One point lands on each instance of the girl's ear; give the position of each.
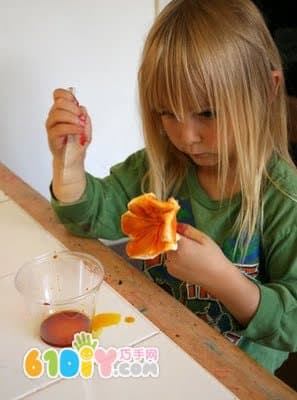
(276, 78)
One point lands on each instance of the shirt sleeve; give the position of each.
(97, 214)
(275, 321)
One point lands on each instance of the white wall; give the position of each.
(93, 45)
(161, 4)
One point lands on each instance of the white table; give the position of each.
(22, 238)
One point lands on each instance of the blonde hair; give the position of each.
(219, 53)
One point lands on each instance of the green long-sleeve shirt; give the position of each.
(271, 259)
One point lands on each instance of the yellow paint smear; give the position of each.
(105, 320)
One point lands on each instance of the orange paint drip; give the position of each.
(129, 320)
(105, 319)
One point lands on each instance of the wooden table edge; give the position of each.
(232, 367)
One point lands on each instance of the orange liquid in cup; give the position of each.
(59, 329)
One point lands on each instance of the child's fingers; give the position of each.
(66, 129)
(84, 111)
(63, 117)
(64, 94)
(191, 233)
(58, 135)
(66, 117)
(66, 105)
(87, 136)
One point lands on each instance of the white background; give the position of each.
(94, 45)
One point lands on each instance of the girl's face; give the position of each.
(196, 136)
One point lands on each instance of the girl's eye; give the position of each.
(167, 114)
(207, 114)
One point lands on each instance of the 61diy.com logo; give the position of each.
(85, 354)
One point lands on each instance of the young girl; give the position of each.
(211, 92)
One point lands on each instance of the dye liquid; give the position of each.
(59, 329)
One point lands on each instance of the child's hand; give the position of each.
(67, 117)
(198, 259)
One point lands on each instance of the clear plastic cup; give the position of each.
(60, 289)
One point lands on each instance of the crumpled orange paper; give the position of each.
(151, 225)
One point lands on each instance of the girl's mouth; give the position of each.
(202, 155)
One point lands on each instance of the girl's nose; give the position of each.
(190, 131)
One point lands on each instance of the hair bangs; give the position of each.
(177, 82)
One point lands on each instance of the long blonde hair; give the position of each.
(220, 53)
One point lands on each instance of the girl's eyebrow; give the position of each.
(203, 110)
(163, 111)
(159, 109)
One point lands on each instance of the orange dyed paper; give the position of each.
(151, 225)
